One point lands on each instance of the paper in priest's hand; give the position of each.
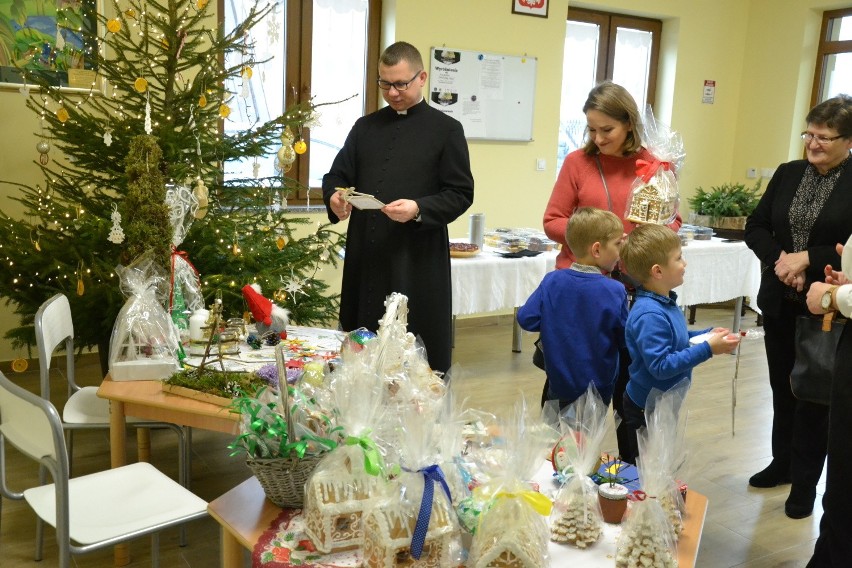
(359, 200)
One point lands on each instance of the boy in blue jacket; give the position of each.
(656, 333)
(580, 312)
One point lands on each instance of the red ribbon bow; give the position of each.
(646, 169)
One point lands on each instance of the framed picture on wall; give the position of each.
(531, 7)
(42, 39)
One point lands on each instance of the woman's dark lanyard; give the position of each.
(603, 180)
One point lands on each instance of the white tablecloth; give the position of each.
(489, 282)
(717, 271)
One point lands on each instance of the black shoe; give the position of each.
(800, 503)
(771, 476)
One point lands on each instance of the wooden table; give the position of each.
(146, 399)
(244, 514)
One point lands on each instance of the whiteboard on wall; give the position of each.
(491, 94)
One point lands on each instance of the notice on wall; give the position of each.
(492, 95)
(709, 95)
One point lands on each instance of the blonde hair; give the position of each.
(646, 246)
(617, 103)
(590, 225)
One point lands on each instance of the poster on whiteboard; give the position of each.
(491, 94)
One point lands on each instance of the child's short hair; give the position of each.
(590, 225)
(646, 246)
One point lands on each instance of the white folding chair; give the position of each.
(92, 511)
(84, 409)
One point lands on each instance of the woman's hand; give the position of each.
(814, 298)
(836, 277)
(789, 266)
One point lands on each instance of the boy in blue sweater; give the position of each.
(580, 312)
(656, 333)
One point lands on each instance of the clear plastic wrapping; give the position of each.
(412, 517)
(144, 342)
(654, 520)
(512, 527)
(654, 195)
(576, 518)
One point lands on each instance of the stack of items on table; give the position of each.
(407, 477)
(516, 240)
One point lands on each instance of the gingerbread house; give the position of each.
(389, 528)
(647, 204)
(335, 501)
(497, 546)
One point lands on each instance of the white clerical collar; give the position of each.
(404, 112)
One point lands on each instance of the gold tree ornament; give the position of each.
(201, 4)
(300, 147)
(81, 288)
(202, 101)
(61, 114)
(287, 136)
(20, 365)
(247, 72)
(280, 242)
(140, 84)
(286, 155)
(224, 110)
(202, 196)
(114, 25)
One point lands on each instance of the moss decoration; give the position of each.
(144, 205)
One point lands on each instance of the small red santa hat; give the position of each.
(261, 308)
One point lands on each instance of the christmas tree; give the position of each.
(144, 151)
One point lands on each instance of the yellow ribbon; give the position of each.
(540, 504)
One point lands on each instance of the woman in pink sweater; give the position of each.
(600, 173)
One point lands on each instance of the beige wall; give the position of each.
(761, 54)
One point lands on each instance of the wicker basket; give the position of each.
(283, 479)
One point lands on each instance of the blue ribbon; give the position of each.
(431, 474)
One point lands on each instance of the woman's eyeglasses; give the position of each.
(821, 140)
(398, 85)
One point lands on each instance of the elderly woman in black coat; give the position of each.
(805, 211)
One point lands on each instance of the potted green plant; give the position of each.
(724, 206)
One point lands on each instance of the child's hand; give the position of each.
(723, 341)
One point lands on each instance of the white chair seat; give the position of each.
(118, 502)
(86, 407)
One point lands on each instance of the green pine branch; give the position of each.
(60, 243)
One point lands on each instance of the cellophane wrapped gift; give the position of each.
(512, 528)
(649, 534)
(401, 360)
(145, 343)
(662, 446)
(346, 479)
(411, 522)
(576, 518)
(185, 294)
(654, 195)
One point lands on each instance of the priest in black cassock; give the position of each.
(414, 159)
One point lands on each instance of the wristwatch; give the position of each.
(825, 303)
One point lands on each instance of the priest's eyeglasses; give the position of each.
(398, 85)
(821, 140)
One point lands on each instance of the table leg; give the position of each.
(738, 310)
(118, 458)
(143, 444)
(232, 550)
(516, 333)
